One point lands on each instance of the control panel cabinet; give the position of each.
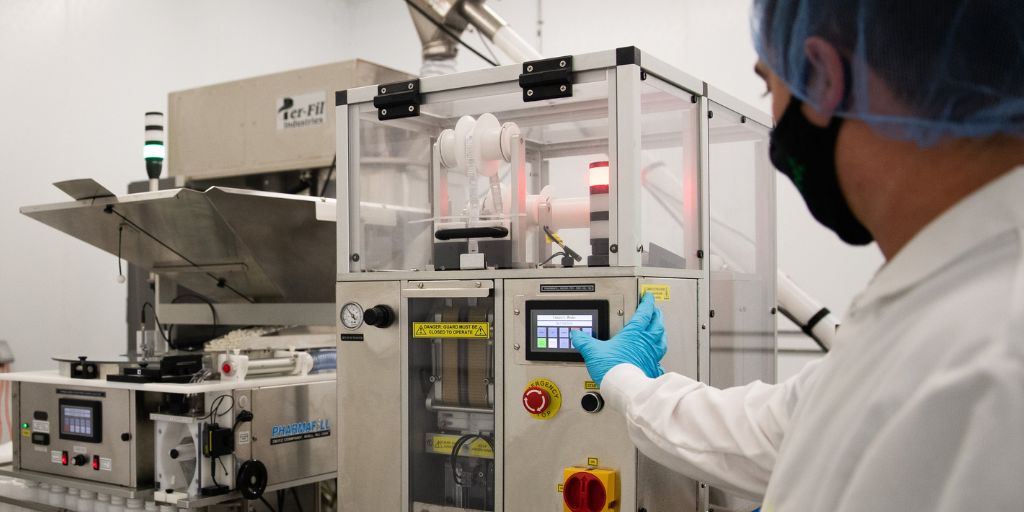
(488, 412)
(95, 434)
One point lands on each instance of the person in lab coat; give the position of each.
(900, 121)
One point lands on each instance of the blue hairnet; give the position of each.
(954, 68)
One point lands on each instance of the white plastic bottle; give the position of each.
(19, 492)
(71, 499)
(56, 497)
(86, 501)
(7, 491)
(31, 491)
(116, 504)
(132, 504)
(102, 502)
(151, 506)
(43, 493)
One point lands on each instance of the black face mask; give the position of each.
(807, 154)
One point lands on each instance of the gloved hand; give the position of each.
(641, 343)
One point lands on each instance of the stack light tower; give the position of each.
(154, 151)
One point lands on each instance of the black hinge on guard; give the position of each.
(398, 100)
(547, 79)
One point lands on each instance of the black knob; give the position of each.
(79, 460)
(592, 402)
(126, 437)
(174, 454)
(379, 316)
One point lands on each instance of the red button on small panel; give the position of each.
(536, 400)
(64, 458)
(96, 462)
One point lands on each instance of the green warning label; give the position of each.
(451, 330)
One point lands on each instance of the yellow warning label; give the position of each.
(661, 292)
(561, 487)
(26, 432)
(593, 461)
(590, 385)
(451, 330)
(444, 444)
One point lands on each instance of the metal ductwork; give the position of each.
(440, 47)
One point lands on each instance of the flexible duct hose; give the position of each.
(324, 360)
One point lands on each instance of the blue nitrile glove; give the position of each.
(641, 343)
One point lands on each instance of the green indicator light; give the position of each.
(153, 151)
(24, 425)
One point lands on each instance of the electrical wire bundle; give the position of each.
(458, 447)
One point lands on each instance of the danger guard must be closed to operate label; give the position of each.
(451, 330)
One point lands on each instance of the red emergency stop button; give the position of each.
(584, 492)
(536, 400)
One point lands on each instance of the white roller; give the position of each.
(570, 213)
(446, 141)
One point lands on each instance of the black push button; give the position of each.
(79, 460)
(592, 402)
(40, 438)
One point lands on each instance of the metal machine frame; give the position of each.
(374, 355)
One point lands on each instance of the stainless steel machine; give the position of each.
(209, 427)
(482, 218)
(226, 388)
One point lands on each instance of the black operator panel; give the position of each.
(551, 322)
(81, 420)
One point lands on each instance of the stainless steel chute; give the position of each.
(227, 244)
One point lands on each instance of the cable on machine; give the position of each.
(120, 274)
(330, 173)
(213, 311)
(221, 282)
(156, 321)
(458, 447)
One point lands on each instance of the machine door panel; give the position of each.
(369, 399)
(453, 456)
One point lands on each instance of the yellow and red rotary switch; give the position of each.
(542, 399)
(590, 490)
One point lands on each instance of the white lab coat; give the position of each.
(918, 407)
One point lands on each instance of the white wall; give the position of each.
(76, 78)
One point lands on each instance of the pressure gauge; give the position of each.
(351, 316)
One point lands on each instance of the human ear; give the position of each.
(827, 81)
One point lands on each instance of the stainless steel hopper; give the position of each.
(227, 244)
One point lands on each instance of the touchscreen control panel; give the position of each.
(550, 326)
(81, 420)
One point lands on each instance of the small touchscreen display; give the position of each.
(76, 420)
(553, 328)
(81, 420)
(551, 324)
